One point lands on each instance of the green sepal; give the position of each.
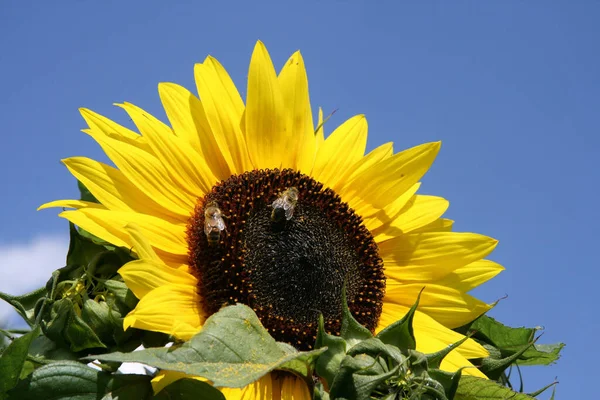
(400, 333)
(375, 348)
(329, 361)
(187, 389)
(65, 326)
(72, 380)
(448, 380)
(233, 349)
(493, 368)
(351, 330)
(124, 296)
(358, 377)
(12, 361)
(472, 388)
(434, 360)
(300, 365)
(542, 390)
(101, 319)
(319, 392)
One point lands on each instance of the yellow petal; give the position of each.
(429, 256)
(147, 173)
(143, 276)
(223, 112)
(188, 119)
(171, 309)
(319, 131)
(71, 204)
(340, 151)
(114, 190)
(376, 218)
(262, 389)
(375, 156)
(471, 275)
(183, 164)
(106, 127)
(431, 336)
(294, 388)
(298, 114)
(165, 378)
(448, 306)
(140, 245)
(420, 211)
(269, 141)
(382, 183)
(439, 225)
(110, 226)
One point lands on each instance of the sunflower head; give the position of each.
(290, 247)
(248, 202)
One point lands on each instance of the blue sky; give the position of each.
(511, 88)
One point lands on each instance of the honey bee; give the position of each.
(213, 223)
(283, 206)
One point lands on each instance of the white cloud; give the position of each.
(27, 266)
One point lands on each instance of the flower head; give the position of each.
(250, 203)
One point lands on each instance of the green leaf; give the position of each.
(472, 388)
(76, 381)
(25, 304)
(510, 340)
(85, 194)
(45, 350)
(358, 377)
(189, 389)
(352, 331)
(329, 361)
(232, 350)
(400, 333)
(13, 359)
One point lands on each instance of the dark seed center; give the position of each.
(287, 270)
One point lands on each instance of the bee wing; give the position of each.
(221, 224)
(289, 212)
(278, 203)
(207, 227)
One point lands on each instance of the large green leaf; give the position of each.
(232, 350)
(472, 388)
(189, 389)
(66, 380)
(13, 359)
(510, 340)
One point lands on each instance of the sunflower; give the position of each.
(250, 203)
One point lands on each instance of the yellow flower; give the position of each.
(250, 203)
